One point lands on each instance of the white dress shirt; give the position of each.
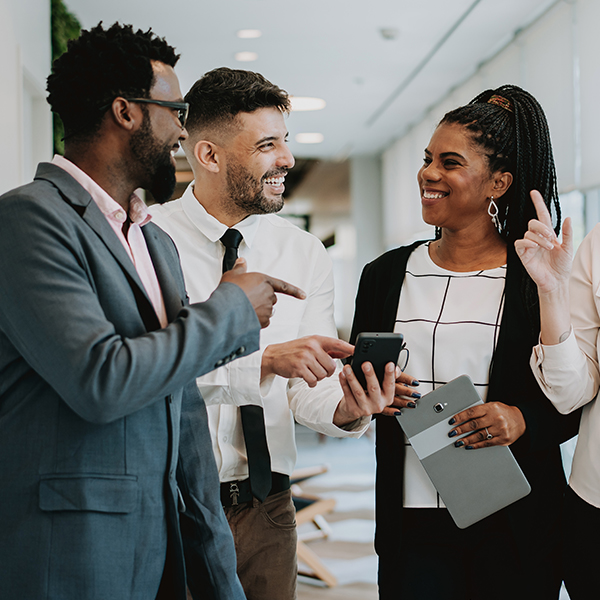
(450, 323)
(273, 246)
(569, 373)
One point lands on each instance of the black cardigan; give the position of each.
(534, 519)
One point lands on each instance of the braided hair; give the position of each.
(509, 125)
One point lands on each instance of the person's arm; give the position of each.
(51, 312)
(339, 406)
(248, 380)
(565, 364)
(315, 405)
(548, 263)
(308, 362)
(569, 372)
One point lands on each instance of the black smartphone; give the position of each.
(377, 348)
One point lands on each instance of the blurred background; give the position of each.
(370, 81)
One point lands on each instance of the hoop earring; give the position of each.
(493, 212)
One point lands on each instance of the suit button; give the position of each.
(241, 350)
(219, 363)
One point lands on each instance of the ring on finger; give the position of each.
(488, 435)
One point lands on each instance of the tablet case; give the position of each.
(472, 483)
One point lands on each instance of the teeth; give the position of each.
(434, 195)
(275, 180)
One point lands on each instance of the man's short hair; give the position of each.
(98, 66)
(221, 94)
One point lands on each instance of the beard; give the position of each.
(246, 191)
(154, 160)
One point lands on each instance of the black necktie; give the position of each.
(253, 419)
(231, 239)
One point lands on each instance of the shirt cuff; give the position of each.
(558, 356)
(324, 422)
(244, 380)
(236, 383)
(358, 427)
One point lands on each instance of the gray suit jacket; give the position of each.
(90, 402)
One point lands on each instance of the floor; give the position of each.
(348, 552)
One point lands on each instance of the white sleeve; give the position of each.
(315, 407)
(236, 383)
(568, 373)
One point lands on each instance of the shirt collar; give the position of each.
(138, 211)
(212, 228)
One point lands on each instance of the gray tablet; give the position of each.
(472, 483)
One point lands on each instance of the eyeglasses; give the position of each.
(182, 108)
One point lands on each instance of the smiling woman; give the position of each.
(464, 305)
(454, 181)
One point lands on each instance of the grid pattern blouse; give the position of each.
(450, 323)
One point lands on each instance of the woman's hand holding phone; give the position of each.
(396, 392)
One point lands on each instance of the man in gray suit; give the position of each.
(98, 345)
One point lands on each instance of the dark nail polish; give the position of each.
(398, 414)
(452, 421)
(459, 444)
(453, 433)
(469, 448)
(416, 382)
(411, 405)
(415, 395)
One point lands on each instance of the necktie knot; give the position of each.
(232, 238)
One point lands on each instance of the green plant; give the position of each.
(65, 27)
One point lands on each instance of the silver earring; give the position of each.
(493, 212)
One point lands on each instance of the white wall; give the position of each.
(25, 117)
(556, 59)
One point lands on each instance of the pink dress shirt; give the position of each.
(134, 243)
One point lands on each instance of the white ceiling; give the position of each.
(333, 49)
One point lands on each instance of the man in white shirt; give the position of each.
(238, 153)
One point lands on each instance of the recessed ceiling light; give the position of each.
(300, 103)
(389, 33)
(249, 33)
(246, 56)
(309, 138)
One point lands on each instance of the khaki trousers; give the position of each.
(265, 544)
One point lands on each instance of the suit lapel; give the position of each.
(164, 271)
(84, 205)
(97, 221)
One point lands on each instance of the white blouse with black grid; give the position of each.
(450, 323)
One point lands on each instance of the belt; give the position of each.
(238, 492)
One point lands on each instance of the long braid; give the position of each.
(509, 124)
